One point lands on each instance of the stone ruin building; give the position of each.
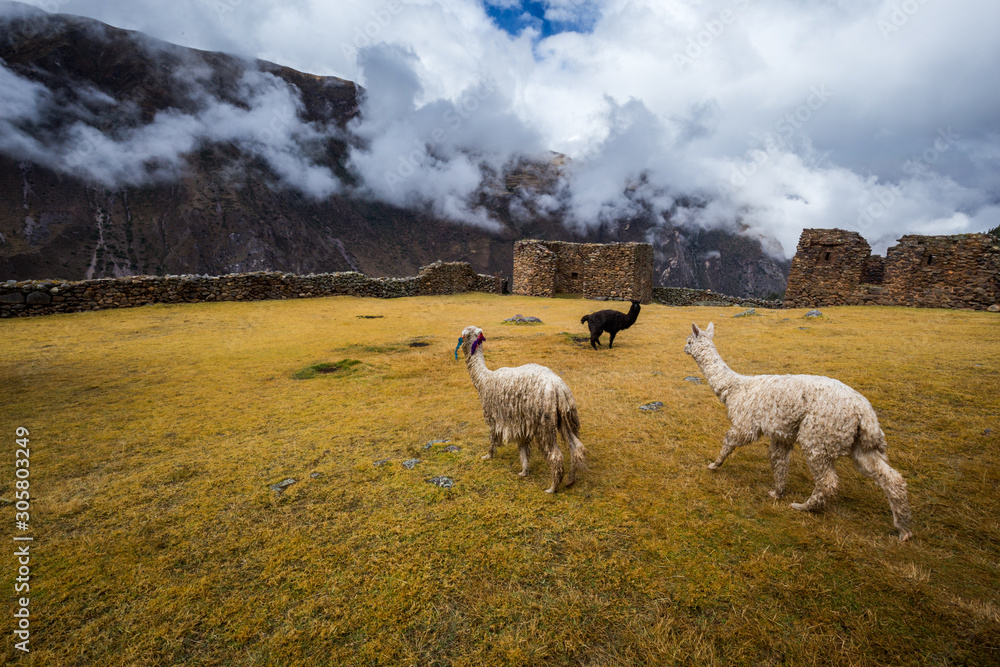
(619, 271)
(834, 267)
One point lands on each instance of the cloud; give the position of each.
(86, 133)
(435, 154)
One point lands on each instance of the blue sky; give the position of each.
(513, 19)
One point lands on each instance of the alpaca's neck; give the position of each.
(721, 378)
(477, 369)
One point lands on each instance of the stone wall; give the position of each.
(454, 277)
(534, 269)
(827, 268)
(43, 297)
(686, 296)
(960, 271)
(618, 271)
(572, 267)
(833, 267)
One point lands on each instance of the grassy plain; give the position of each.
(156, 433)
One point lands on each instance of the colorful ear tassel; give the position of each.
(458, 346)
(476, 344)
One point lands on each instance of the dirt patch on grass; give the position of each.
(575, 339)
(342, 367)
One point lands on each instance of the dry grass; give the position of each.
(157, 431)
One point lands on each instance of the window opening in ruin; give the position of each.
(826, 257)
(574, 275)
(930, 259)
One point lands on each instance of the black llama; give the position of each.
(611, 321)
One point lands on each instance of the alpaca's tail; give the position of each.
(569, 426)
(584, 319)
(870, 436)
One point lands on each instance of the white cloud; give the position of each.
(267, 124)
(435, 153)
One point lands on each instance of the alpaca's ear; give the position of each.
(695, 329)
(710, 331)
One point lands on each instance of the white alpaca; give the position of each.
(526, 403)
(826, 417)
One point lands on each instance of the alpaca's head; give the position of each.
(472, 339)
(699, 338)
(633, 312)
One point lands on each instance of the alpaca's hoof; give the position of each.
(522, 474)
(713, 465)
(774, 494)
(802, 507)
(550, 490)
(904, 535)
(487, 457)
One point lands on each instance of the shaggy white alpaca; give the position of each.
(826, 417)
(526, 403)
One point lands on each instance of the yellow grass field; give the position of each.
(156, 433)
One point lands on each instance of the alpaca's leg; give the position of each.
(873, 464)
(611, 342)
(495, 440)
(595, 338)
(825, 476)
(576, 460)
(780, 452)
(733, 439)
(555, 456)
(524, 448)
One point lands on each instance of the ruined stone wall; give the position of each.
(534, 269)
(874, 272)
(621, 271)
(687, 296)
(43, 297)
(571, 267)
(833, 267)
(827, 269)
(643, 272)
(960, 271)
